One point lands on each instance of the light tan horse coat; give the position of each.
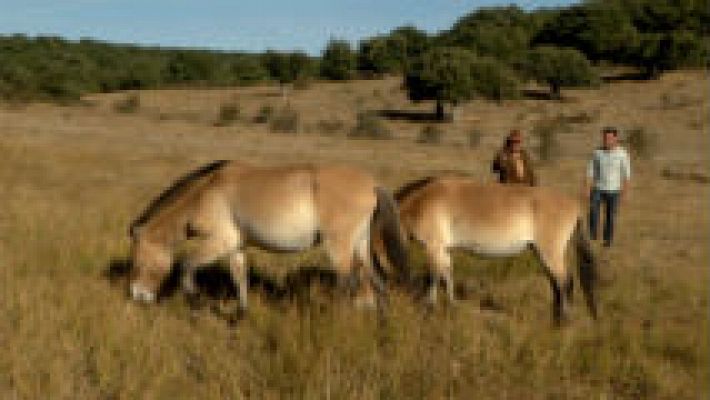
(228, 205)
(447, 213)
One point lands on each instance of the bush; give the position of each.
(494, 80)
(430, 134)
(129, 104)
(331, 126)
(338, 61)
(474, 138)
(285, 120)
(641, 143)
(302, 83)
(546, 131)
(228, 114)
(369, 127)
(581, 117)
(264, 114)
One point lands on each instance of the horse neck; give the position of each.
(164, 232)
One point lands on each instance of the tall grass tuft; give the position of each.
(369, 126)
(641, 142)
(130, 104)
(285, 120)
(228, 114)
(474, 138)
(546, 131)
(330, 127)
(430, 134)
(264, 114)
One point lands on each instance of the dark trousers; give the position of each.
(611, 203)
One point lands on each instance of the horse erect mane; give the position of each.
(174, 190)
(411, 187)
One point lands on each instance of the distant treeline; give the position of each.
(503, 44)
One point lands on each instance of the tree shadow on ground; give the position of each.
(625, 76)
(536, 94)
(412, 115)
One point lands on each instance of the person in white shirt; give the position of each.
(608, 174)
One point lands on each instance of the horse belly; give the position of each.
(502, 241)
(293, 228)
(497, 249)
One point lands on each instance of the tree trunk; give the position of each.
(652, 72)
(439, 110)
(555, 93)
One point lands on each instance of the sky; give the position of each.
(235, 25)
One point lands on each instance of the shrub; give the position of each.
(338, 61)
(302, 83)
(494, 80)
(581, 117)
(369, 127)
(474, 138)
(330, 126)
(546, 131)
(129, 104)
(228, 114)
(641, 142)
(430, 134)
(264, 114)
(285, 120)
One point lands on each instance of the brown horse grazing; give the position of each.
(448, 212)
(227, 205)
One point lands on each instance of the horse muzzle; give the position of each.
(141, 294)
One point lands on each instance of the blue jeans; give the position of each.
(611, 203)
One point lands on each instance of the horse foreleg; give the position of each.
(238, 271)
(205, 251)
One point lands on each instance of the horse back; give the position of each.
(462, 212)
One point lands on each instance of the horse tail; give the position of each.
(386, 235)
(587, 265)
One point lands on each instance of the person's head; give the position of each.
(610, 137)
(514, 141)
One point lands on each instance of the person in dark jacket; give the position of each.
(512, 163)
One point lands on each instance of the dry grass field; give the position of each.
(73, 177)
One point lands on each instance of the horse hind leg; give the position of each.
(340, 252)
(372, 290)
(560, 280)
(439, 261)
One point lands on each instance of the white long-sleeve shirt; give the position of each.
(608, 169)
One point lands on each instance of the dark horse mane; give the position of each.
(173, 190)
(415, 185)
(412, 186)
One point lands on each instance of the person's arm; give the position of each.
(625, 172)
(589, 180)
(495, 166)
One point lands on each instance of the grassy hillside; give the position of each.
(72, 179)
